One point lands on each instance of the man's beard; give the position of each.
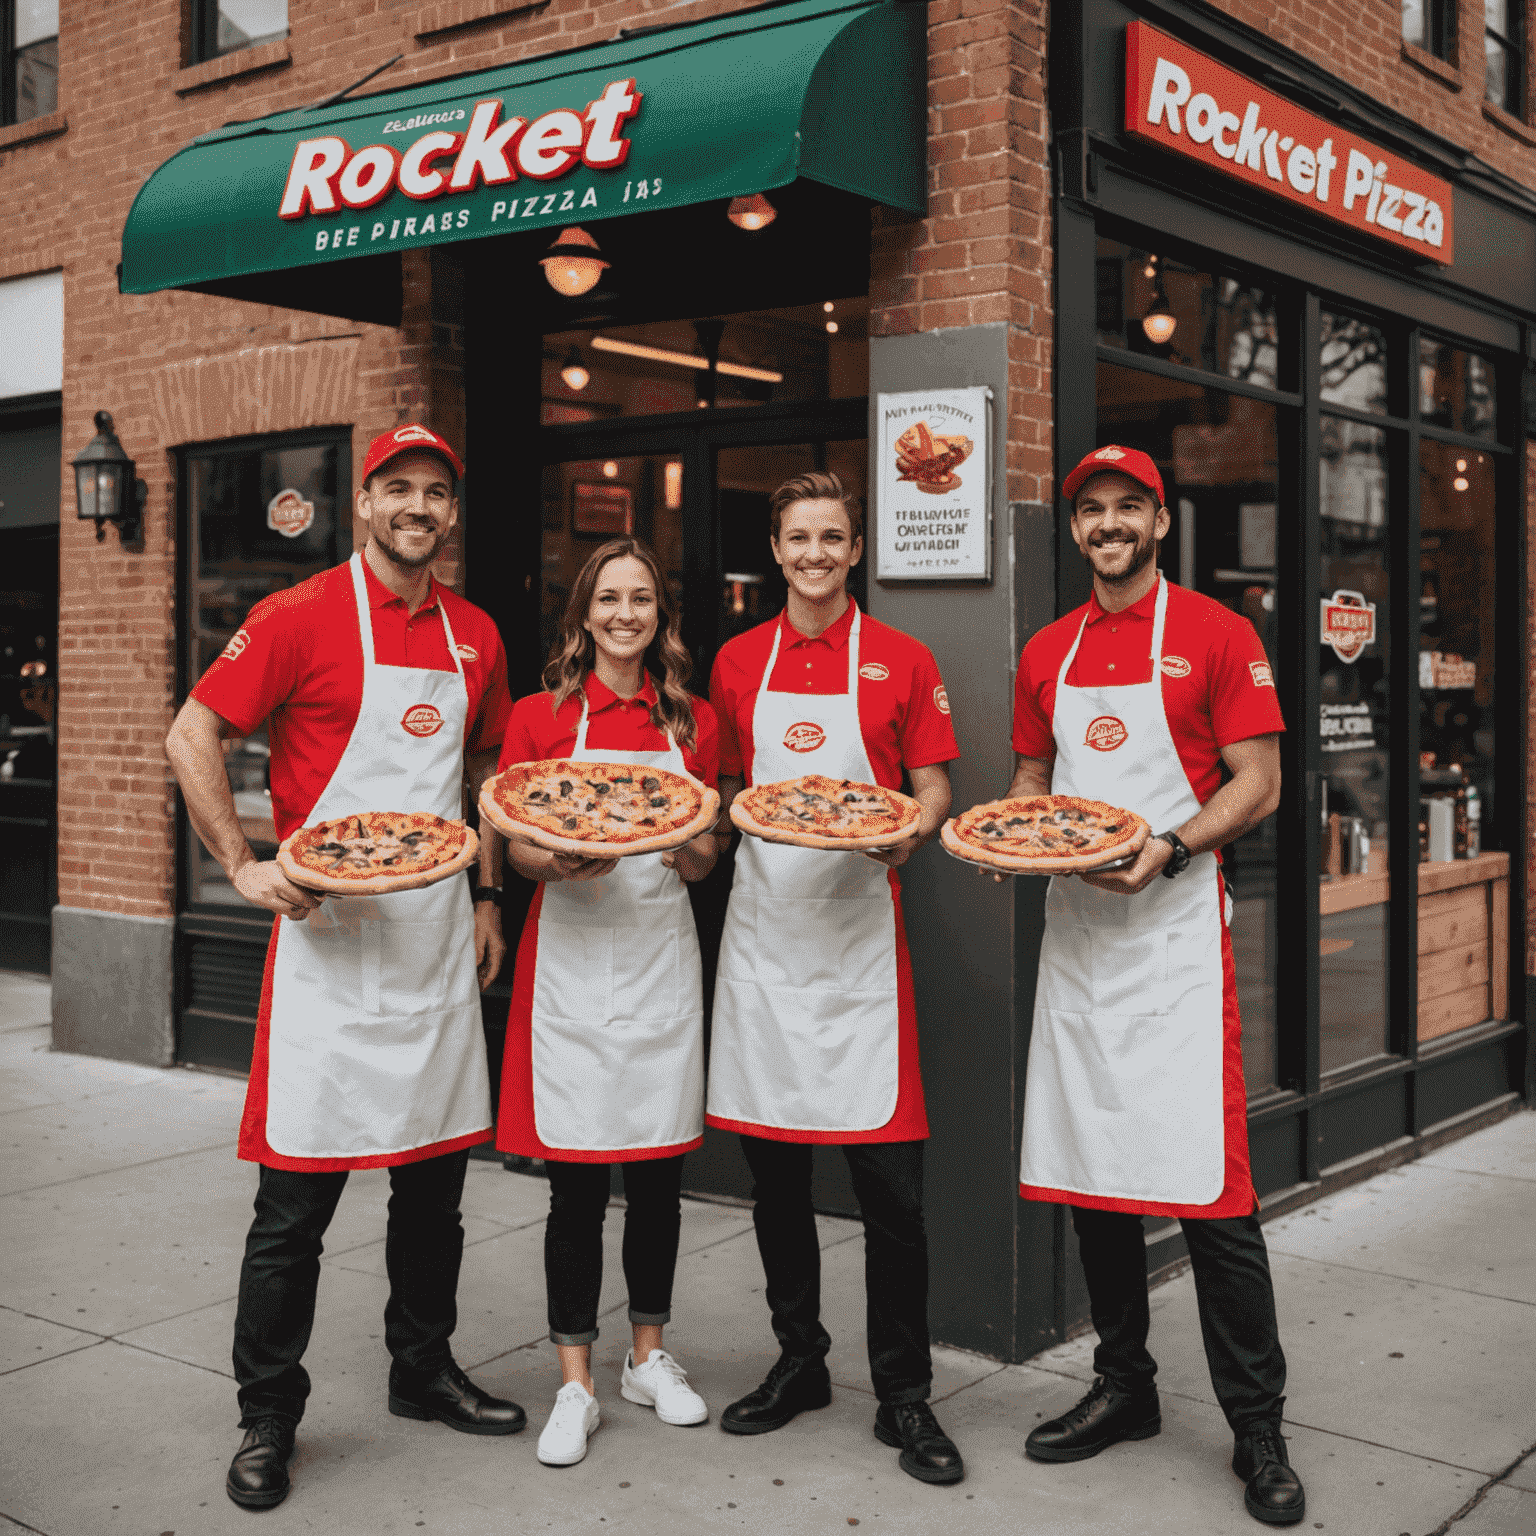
(1145, 553)
(384, 539)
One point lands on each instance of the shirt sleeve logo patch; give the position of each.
(875, 671)
(422, 720)
(1106, 733)
(1176, 666)
(804, 736)
(237, 643)
(1263, 675)
(467, 652)
(941, 698)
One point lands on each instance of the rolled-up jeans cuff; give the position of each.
(650, 1319)
(573, 1338)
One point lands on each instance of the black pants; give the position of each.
(573, 1243)
(888, 1181)
(1234, 1293)
(423, 1245)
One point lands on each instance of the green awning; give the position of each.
(718, 109)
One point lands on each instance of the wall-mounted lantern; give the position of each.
(106, 489)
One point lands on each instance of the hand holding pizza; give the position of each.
(263, 884)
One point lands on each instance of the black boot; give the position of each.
(258, 1476)
(453, 1399)
(1103, 1418)
(1274, 1493)
(927, 1453)
(791, 1387)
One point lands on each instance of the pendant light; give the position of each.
(572, 373)
(751, 213)
(572, 264)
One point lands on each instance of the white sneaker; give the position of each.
(571, 1420)
(661, 1383)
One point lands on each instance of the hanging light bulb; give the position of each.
(572, 374)
(832, 327)
(751, 213)
(826, 308)
(1159, 322)
(610, 470)
(572, 265)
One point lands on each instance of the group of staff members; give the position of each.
(369, 1051)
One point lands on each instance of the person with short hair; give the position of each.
(604, 1062)
(814, 1032)
(381, 690)
(1134, 1101)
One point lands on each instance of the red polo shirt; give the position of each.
(535, 731)
(1217, 683)
(903, 708)
(297, 663)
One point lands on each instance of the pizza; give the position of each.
(1045, 834)
(929, 459)
(814, 811)
(373, 852)
(598, 810)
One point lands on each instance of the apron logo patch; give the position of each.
(1106, 733)
(422, 720)
(1176, 666)
(237, 643)
(467, 652)
(875, 671)
(1263, 677)
(804, 736)
(941, 698)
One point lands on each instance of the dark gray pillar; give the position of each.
(112, 986)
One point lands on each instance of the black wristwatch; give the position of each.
(1181, 855)
(486, 893)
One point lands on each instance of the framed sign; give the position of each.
(933, 502)
(602, 510)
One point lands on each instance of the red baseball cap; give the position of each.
(1124, 461)
(410, 437)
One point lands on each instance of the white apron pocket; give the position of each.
(580, 985)
(646, 975)
(1130, 972)
(840, 946)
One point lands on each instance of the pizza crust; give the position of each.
(1019, 864)
(742, 817)
(375, 885)
(705, 818)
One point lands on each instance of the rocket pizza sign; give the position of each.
(1349, 624)
(1179, 99)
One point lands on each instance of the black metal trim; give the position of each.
(1187, 375)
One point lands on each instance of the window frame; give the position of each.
(203, 33)
(1439, 38)
(1512, 46)
(9, 53)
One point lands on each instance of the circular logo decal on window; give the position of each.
(1176, 666)
(941, 698)
(804, 736)
(422, 720)
(1106, 733)
(467, 652)
(289, 514)
(875, 671)
(237, 643)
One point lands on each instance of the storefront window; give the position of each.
(259, 519)
(1353, 358)
(802, 354)
(1456, 389)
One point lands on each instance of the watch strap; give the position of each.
(1181, 855)
(491, 893)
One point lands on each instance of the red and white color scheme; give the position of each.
(605, 1038)
(289, 514)
(1183, 100)
(1132, 462)
(1349, 624)
(409, 437)
(814, 1027)
(1134, 1097)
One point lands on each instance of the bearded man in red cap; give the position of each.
(380, 690)
(1134, 1100)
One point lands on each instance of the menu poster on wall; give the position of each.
(932, 505)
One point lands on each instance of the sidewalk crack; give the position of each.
(1482, 1493)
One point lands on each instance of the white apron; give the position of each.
(375, 1041)
(1123, 1097)
(804, 1031)
(618, 1000)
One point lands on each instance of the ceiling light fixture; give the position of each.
(832, 327)
(572, 265)
(751, 213)
(682, 359)
(610, 469)
(572, 374)
(826, 308)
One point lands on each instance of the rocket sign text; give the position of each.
(1181, 100)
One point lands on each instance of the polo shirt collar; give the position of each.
(600, 696)
(379, 596)
(1146, 608)
(834, 636)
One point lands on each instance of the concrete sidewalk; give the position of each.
(1407, 1307)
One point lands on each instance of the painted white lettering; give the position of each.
(484, 155)
(1226, 148)
(1378, 173)
(417, 178)
(1170, 90)
(368, 177)
(1200, 118)
(529, 205)
(1434, 223)
(589, 199)
(1250, 142)
(497, 209)
(1387, 216)
(1413, 220)
(1358, 175)
(312, 178)
(394, 229)
(551, 145)
(1285, 144)
(605, 146)
(463, 217)
(1326, 160)
(549, 202)
(1301, 169)
(322, 239)
(1271, 159)
(378, 229)
(429, 225)
(568, 200)
(352, 234)
(410, 226)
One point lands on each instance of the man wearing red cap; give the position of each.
(1134, 1100)
(379, 688)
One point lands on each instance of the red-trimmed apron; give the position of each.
(605, 1052)
(372, 1050)
(1128, 1099)
(807, 1029)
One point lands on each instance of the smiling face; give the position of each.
(622, 617)
(1117, 523)
(816, 548)
(410, 509)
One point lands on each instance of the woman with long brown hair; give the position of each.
(605, 1040)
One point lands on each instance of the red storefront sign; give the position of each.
(1178, 99)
